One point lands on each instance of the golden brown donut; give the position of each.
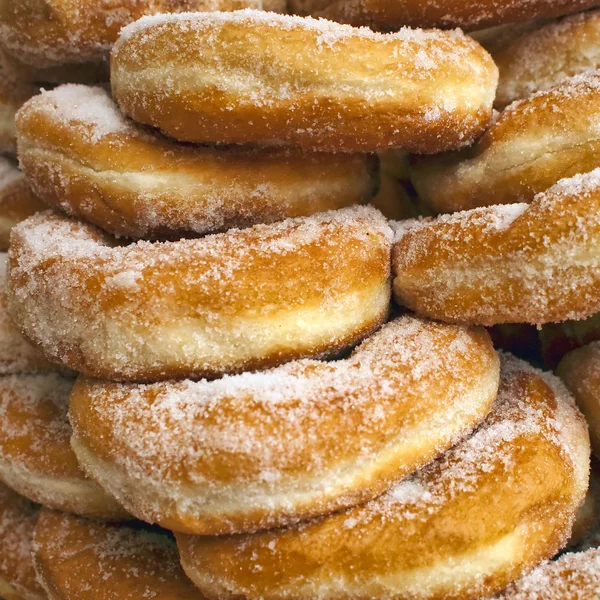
(462, 528)
(255, 77)
(48, 33)
(389, 15)
(532, 144)
(560, 338)
(82, 156)
(266, 449)
(574, 576)
(580, 370)
(79, 559)
(17, 201)
(520, 263)
(241, 300)
(18, 517)
(36, 459)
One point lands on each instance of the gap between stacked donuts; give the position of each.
(263, 269)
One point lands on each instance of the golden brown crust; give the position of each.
(82, 156)
(461, 528)
(77, 558)
(230, 302)
(580, 370)
(516, 263)
(389, 15)
(195, 457)
(36, 458)
(532, 144)
(49, 33)
(273, 79)
(18, 517)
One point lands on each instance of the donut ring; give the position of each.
(572, 576)
(16, 355)
(533, 144)
(36, 459)
(560, 338)
(255, 77)
(540, 55)
(18, 517)
(461, 528)
(82, 156)
(47, 33)
(580, 370)
(472, 14)
(17, 201)
(77, 558)
(521, 263)
(201, 307)
(170, 465)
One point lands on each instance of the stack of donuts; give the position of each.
(282, 290)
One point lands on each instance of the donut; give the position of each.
(463, 527)
(580, 370)
(82, 156)
(574, 576)
(472, 14)
(48, 33)
(195, 457)
(518, 263)
(18, 517)
(245, 299)
(16, 355)
(17, 201)
(533, 143)
(36, 459)
(77, 558)
(537, 56)
(262, 78)
(557, 339)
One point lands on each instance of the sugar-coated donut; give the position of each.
(574, 576)
(18, 517)
(389, 15)
(77, 558)
(82, 156)
(266, 449)
(36, 459)
(46, 33)
(245, 299)
(256, 77)
(580, 370)
(16, 354)
(536, 56)
(533, 143)
(557, 339)
(519, 263)
(17, 201)
(461, 528)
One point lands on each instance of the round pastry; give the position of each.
(46, 33)
(558, 339)
(18, 516)
(463, 527)
(537, 56)
(532, 144)
(16, 354)
(17, 201)
(472, 14)
(580, 370)
(82, 156)
(574, 576)
(36, 459)
(231, 302)
(255, 77)
(76, 558)
(266, 449)
(520, 263)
